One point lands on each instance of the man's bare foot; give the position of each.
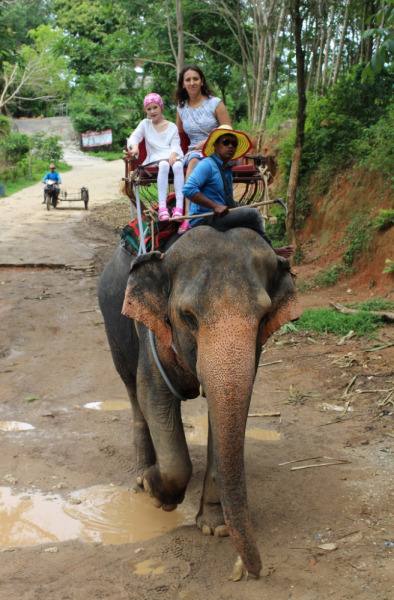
(284, 251)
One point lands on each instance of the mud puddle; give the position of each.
(147, 567)
(110, 515)
(196, 431)
(108, 405)
(15, 426)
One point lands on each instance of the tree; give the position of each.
(384, 35)
(295, 11)
(37, 72)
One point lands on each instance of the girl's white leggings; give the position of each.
(162, 182)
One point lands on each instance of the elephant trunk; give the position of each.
(226, 369)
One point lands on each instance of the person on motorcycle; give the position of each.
(52, 177)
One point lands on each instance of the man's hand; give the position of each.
(172, 159)
(221, 209)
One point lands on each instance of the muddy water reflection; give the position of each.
(109, 405)
(196, 430)
(111, 515)
(15, 426)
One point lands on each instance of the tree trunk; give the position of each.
(180, 63)
(300, 130)
(274, 51)
(327, 52)
(370, 39)
(341, 42)
(319, 66)
(333, 55)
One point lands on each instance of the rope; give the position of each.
(150, 213)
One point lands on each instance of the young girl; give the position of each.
(163, 145)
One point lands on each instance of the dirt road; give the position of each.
(72, 526)
(29, 234)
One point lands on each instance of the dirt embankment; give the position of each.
(338, 212)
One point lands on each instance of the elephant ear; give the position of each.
(145, 298)
(285, 305)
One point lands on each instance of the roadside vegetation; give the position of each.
(24, 160)
(329, 320)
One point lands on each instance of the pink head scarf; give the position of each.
(150, 98)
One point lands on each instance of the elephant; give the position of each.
(212, 299)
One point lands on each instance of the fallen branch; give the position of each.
(387, 316)
(342, 462)
(275, 362)
(290, 462)
(375, 348)
(274, 414)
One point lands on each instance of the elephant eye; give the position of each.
(190, 320)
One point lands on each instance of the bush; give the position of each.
(384, 219)
(337, 122)
(15, 146)
(359, 233)
(330, 276)
(47, 147)
(5, 126)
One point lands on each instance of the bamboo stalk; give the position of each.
(210, 214)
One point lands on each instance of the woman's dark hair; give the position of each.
(181, 94)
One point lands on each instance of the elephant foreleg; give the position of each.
(210, 517)
(166, 481)
(145, 455)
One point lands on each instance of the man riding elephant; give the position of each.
(211, 182)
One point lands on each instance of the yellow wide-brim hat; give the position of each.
(244, 143)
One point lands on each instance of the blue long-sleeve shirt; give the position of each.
(206, 179)
(52, 177)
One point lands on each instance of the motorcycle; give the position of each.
(51, 194)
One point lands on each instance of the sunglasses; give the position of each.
(226, 142)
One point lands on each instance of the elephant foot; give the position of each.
(162, 497)
(142, 469)
(211, 521)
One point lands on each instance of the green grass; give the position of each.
(111, 155)
(20, 184)
(377, 303)
(331, 276)
(327, 320)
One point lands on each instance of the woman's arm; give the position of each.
(222, 114)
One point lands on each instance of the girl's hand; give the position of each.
(172, 159)
(200, 145)
(134, 150)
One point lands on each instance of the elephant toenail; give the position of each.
(139, 480)
(169, 507)
(206, 530)
(146, 485)
(221, 531)
(156, 503)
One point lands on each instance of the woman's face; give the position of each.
(192, 82)
(153, 111)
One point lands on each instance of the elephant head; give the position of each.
(218, 297)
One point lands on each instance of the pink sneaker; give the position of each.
(164, 215)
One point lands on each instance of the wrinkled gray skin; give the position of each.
(216, 297)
